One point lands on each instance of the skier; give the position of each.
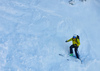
(76, 42)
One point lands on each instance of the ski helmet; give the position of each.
(74, 36)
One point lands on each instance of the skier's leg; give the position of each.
(76, 52)
(71, 49)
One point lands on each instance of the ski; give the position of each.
(71, 2)
(81, 61)
(61, 55)
(78, 59)
(71, 57)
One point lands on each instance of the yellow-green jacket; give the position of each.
(74, 41)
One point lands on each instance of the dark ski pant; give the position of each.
(75, 49)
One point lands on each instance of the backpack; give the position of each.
(78, 37)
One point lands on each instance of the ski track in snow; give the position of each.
(33, 33)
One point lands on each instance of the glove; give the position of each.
(66, 41)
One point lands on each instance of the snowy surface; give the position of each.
(33, 34)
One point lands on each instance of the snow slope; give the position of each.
(33, 33)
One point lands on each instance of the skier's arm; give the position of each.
(69, 40)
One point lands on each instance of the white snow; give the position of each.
(33, 34)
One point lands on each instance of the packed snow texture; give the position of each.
(33, 34)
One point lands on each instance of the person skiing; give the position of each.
(76, 42)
